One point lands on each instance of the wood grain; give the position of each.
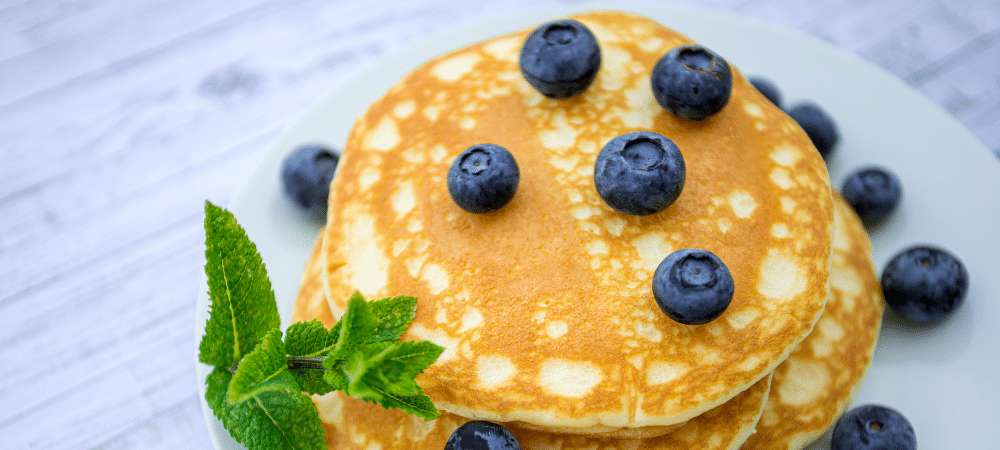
(119, 119)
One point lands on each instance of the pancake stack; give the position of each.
(544, 307)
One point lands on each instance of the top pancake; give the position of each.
(544, 307)
(355, 424)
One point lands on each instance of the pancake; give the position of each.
(354, 424)
(809, 391)
(544, 307)
(310, 301)
(815, 385)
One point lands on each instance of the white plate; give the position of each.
(943, 378)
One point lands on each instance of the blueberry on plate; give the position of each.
(820, 127)
(693, 286)
(306, 174)
(692, 82)
(873, 427)
(639, 173)
(767, 88)
(873, 192)
(924, 284)
(481, 435)
(560, 58)
(483, 178)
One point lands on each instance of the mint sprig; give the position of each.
(259, 383)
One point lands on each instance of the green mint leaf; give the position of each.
(392, 368)
(275, 420)
(357, 326)
(310, 380)
(367, 365)
(394, 315)
(243, 307)
(337, 380)
(310, 338)
(375, 390)
(418, 405)
(263, 369)
(404, 360)
(384, 373)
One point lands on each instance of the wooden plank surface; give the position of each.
(119, 119)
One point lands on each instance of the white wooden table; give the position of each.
(118, 119)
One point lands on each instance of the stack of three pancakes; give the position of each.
(544, 307)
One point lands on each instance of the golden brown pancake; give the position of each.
(350, 423)
(809, 391)
(815, 385)
(544, 307)
(354, 424)
(310, 302)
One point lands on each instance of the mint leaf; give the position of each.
(243, 307)
(418, 405)
(310, 338)
(368, 364)
(275, 420)
(394, 315)
(263, 369)
(357, 326)
(306, 340)
(405, 395)
(311, 380)
(403, 361)
(388, 378)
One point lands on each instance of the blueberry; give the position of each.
(873, 192)
(818, 125)
(483, 178)
(692, 286)
(692, 82)
(560, 58)
(767, 88)
(639, 173)
(873, 427)
(481, 435)
(924, 284)
(306, 174)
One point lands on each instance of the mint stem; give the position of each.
(305, 362)
(299, 362)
